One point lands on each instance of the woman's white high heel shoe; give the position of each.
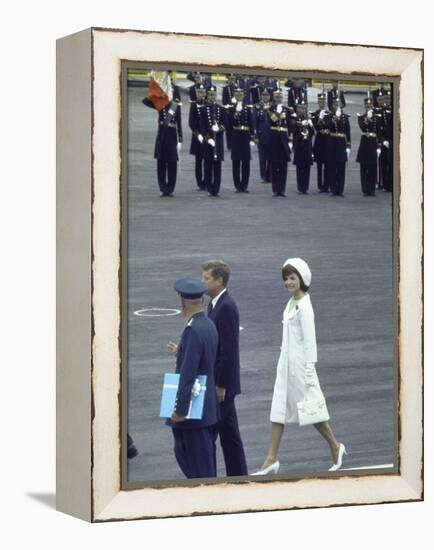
(341, 453)
(271, 469)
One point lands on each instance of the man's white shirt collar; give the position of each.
(216, 299)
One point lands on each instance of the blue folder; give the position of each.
(170, 388)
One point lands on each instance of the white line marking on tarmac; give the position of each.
(376, 467)
(157, 312)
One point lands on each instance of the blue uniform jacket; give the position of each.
(279, 140)
(212, 113)
(227, 368)
(261, 121)
(196, 148)
(196, 355)
(369, 141)
(240, 149)
(169, 131)
(303, 144)
(321, 137)
(337, 145)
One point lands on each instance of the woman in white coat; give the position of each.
(297, 396)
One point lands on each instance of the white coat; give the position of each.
(298, 349)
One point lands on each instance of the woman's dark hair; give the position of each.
(289, 270)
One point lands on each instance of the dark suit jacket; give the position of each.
(227, 369)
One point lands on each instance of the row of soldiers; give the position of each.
(281, 133)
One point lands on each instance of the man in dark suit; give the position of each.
(195, 355)
(223, 311)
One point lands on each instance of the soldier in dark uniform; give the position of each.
(197, 80)
(213, 123)
(167, 145)
(339, 147)
(320, 144)
(369, 148)
(335, 93)
(297, 92)
(195, 355)
(280, 144)
(197, 146)
(228, 99)
(176, 90)
(386, 140)
(380, 91)
(240, 121)
(303, 134)
(261, 84)
(261, 120)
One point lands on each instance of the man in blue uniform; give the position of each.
(228, 99)
(261, 121)
(369, 148)
(196, 147)
(280, 144)
(213, 125)
(303, 134)
(167, 145)
(320, 144)
(223, 311)
(195, 355)
(243, 134)
(386, 138)
(335, 93)
(339, 148)
(297, 92)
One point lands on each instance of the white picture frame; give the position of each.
(89, 171)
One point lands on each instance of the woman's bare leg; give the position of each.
(273, 449)
(326, 431)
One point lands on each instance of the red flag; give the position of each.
(160, 89)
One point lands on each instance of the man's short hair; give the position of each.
(218, 268)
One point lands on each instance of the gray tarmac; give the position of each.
(348, 244)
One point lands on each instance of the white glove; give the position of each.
(291, 146)
(233, 100)
(211, 142)
(309, 372)
(252, 144)
(322, 114)
(338, 113)
(279, 108)
(378, 152)
(200, 138)
(348, 150)
(370, 114)
(304, 122)
(310, 122)
(386, 144)
(239, 107)
(179, 146)
(215, 128)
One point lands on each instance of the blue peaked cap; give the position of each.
(190, 289)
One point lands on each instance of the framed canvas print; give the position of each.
(239, 319)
